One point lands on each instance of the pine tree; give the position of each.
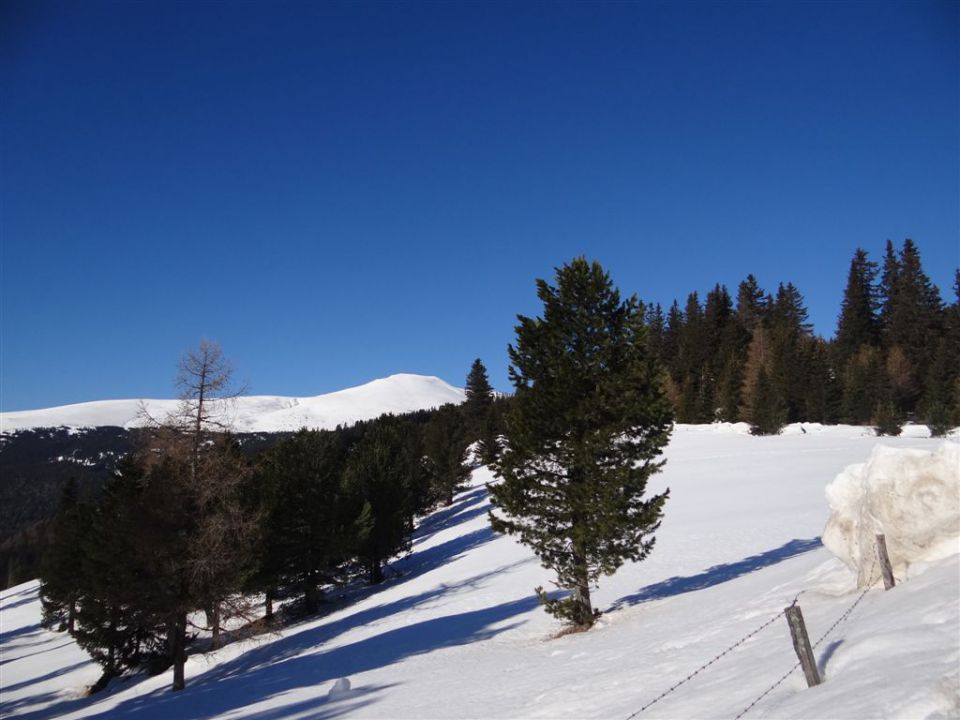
(121, 619)
(887, 420)
(307, 522)
(790, 330)
(445, 448)
(656, 331)
(858, 324)
(588, 423)
(914, 321)
(61, 569)
(864, 384)
(479, 399)
(172, 535)
(379, 474)
(768, 414)
(751, 303)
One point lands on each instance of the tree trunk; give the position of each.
(71, 616)
(311, 596)
(583, 612)
(268, 605)
(213, 621)
(376, 572)
(177, 644)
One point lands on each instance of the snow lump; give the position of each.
(911, 496)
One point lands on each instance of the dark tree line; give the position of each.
(754, 358)
(189, 528)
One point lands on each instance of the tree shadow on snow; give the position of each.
(25, 597)
(717, 574)
(300, 662)
(423, 561)
(466, 507)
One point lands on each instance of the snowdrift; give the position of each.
(911, 496)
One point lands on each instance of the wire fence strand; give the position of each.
(823, 637)
(703, 667)
(873, 581)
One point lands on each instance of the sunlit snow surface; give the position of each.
(458, 633)
(396, 394)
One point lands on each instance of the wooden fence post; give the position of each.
(801, 643)
(888, 581)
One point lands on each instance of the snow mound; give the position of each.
(340, 688)
(911, 496)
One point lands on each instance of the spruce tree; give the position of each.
(858, 323)
(768, 413)
(914, 321)
(864, 384)
(479, 395)
(588, 424)
(751, 303)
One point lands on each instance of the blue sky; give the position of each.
(337, 192)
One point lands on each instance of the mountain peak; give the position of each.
(398, 393)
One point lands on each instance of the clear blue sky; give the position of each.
(338, 192)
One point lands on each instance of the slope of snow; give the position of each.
(259, 413)
(457, 633)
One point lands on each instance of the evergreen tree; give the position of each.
(479, 399)
(445, 447)
(822, 393)
(121, 619)
(670, 355)
(307, 525)
(751, 304)
(858, 324)
(61, 568)
(656, 331)
(887, 420)
(768, 414)
(864, 384)
(172, 535)
(914, 321)
(889, 286)
(379, 474)
(588, 423)
(790, 330)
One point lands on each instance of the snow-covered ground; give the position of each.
(396, 394)
(458, 633)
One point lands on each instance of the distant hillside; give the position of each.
(396, 394)
(40, 450)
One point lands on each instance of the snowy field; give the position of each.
(457, 633)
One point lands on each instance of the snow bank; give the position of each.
(911, 496)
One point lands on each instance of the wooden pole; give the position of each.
(801, 644)
(885, 568)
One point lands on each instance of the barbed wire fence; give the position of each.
(873, 579)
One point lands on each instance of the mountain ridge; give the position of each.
(397, 393)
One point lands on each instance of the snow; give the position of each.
(457, 633)
(911, 496)
(396, 394)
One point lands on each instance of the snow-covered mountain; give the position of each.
(456, 632)
(396, 394)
